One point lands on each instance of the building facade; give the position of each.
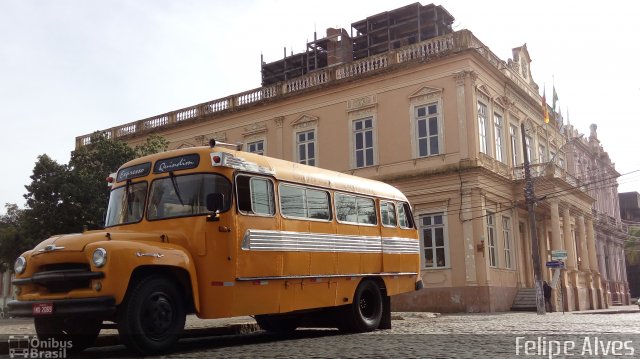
(440, 118)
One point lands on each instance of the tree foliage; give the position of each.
(67, 198)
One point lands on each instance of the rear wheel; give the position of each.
(278, 323)
(365, 313)
(81, 332)
(152, 317)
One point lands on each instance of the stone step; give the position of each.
(525, 300)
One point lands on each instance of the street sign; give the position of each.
(558, 254)
(555, 264)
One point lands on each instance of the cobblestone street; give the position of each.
(426, 335)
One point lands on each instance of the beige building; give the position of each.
(437, 114)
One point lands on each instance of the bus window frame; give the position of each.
(144, 207)
(408, 215)
(304, 187)
(168, 176)
(356, 196)
(395, 211)
(251, 176)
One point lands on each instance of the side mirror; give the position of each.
(215, 202)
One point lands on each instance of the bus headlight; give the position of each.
(99, 257)
(20, 265)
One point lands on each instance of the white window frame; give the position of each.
(507, 235)
(365, 148)
(498, 125)
(483, 126)
(514, 139)
(427, 118)
(422, 227)
(491, 239)
(256, 142)
(542, 153)
(528, 140)
(309, 160)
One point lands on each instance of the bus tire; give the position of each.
(152, 317)
(278, 323)
(81, 332)
(365, 313)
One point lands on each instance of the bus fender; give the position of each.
(130, 255)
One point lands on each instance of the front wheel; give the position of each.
(365, 313)
(80, 333)
(152, 317)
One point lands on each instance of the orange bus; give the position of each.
(222, 233)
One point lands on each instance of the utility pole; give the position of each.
(530, 199)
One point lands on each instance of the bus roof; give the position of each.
(281, 169)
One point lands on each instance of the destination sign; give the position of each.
(176, 163)
(140, 170)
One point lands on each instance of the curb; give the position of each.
(113, 339)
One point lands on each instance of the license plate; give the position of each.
(42, 308)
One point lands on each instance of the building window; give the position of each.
(483, 122)
(542, 154)
(363, 141)
(513, 139)
(528, 141)
(306, 144)
(428, 130)
(499, 133)
(491, 239)
(432, 231)
(508, 244)
(256, 147)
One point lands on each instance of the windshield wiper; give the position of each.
(175, 187)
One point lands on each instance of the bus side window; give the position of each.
(388, 213)
(255, 195)
(262, 200)
(404, 216)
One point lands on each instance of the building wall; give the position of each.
(477, 196)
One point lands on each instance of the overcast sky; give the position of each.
(71, 67)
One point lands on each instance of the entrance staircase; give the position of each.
(525, 300)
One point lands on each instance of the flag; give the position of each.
(559, 119)
(555, 98)
(544, 106)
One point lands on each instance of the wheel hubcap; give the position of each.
(159, 314)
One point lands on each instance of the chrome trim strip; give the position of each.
(268, 240)
(242, 279)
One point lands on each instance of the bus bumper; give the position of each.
(98, 306)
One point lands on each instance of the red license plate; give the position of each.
(42, 308)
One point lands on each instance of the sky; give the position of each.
(71, 67)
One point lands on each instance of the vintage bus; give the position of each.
(219, 232)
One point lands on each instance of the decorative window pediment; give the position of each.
(362, 102)
(255, 129)
(484, 92)
(426, 94)
(305, 121)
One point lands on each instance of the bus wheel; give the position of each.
(152, 317)
(365, 313)
(278, 323)
(81, 332)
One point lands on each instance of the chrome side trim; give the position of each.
(268, 240)
(242, 279)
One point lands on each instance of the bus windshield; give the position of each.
(178, 196)
(126, 204)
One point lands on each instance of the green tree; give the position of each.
(154, 144)
(52, 203)
(632, 247)
(90, 166)
(12, 241)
